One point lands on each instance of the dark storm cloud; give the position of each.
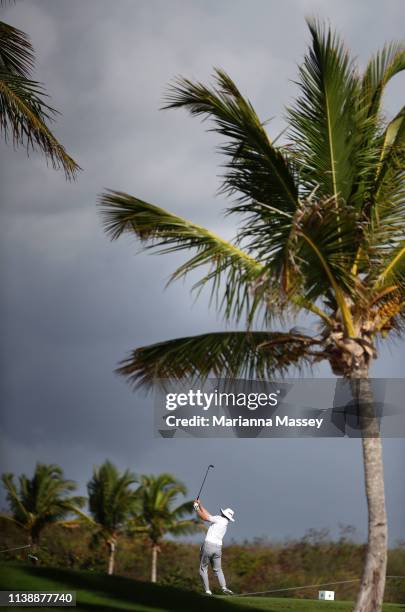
(74, 304)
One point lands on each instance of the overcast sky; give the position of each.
(73, 304)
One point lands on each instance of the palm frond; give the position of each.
(325, 248)
(380, 173)
(81, 518)
(111, 497)
(388, 195)
(183, 509)
(384, 211)
(316, 258)
(260, 174)
(303, 303)
(384, 234)
(16, 52)
(323, 121)
(157, 514)
(230, 354)
(255, 170)
(13, 498)
(394, 268)
(186, 527)
(169, 233)
(390, 173)
(42, 499)
(394, 139)
(382, 67)
(125, 213)
(24, 116)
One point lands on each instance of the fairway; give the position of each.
(98, 592)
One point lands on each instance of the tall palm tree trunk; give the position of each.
(153, 574)
(371, 594)
(111, 557)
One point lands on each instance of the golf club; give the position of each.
(205, 477)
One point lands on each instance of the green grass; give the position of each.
(101, 593)
(273, 604)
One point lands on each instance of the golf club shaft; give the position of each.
(205, 477)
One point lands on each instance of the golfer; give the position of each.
(211, 550)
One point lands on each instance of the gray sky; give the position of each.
(74, 304)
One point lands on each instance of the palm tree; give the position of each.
(24, 113)
(40, 501)
(156, 513)
(321, 233)
(111, 499)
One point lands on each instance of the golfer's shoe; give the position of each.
(208, 592)
(227, 591)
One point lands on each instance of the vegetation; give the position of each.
(157, 513)
(111, 500)
(251, 566)
(94, 592)
(321, 233)
(40, 501)
(25, 114)
(115, 508)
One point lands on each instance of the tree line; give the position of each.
(118, 504)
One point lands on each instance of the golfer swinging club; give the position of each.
(211, 550)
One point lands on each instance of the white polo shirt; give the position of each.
(216, 530)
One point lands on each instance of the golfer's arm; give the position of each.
(203, 513)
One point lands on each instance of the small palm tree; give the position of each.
(157, 513)
(321, 233)
(111, 499)
(41, 500)
(24, 113)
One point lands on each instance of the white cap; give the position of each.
(228, 512)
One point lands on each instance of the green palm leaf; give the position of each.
(324, 119)
(169, 233)
(394, 139)
(13, 498)
(382, 67)
(157, 513)
(24, 115)
(186, 527)
(388, 194)
(41, 500)
(111, 498)
(256, 170)
(260, 174)
(232, 354)
(394, 268)
(124, 213)
(16, 52)
(385, 209)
